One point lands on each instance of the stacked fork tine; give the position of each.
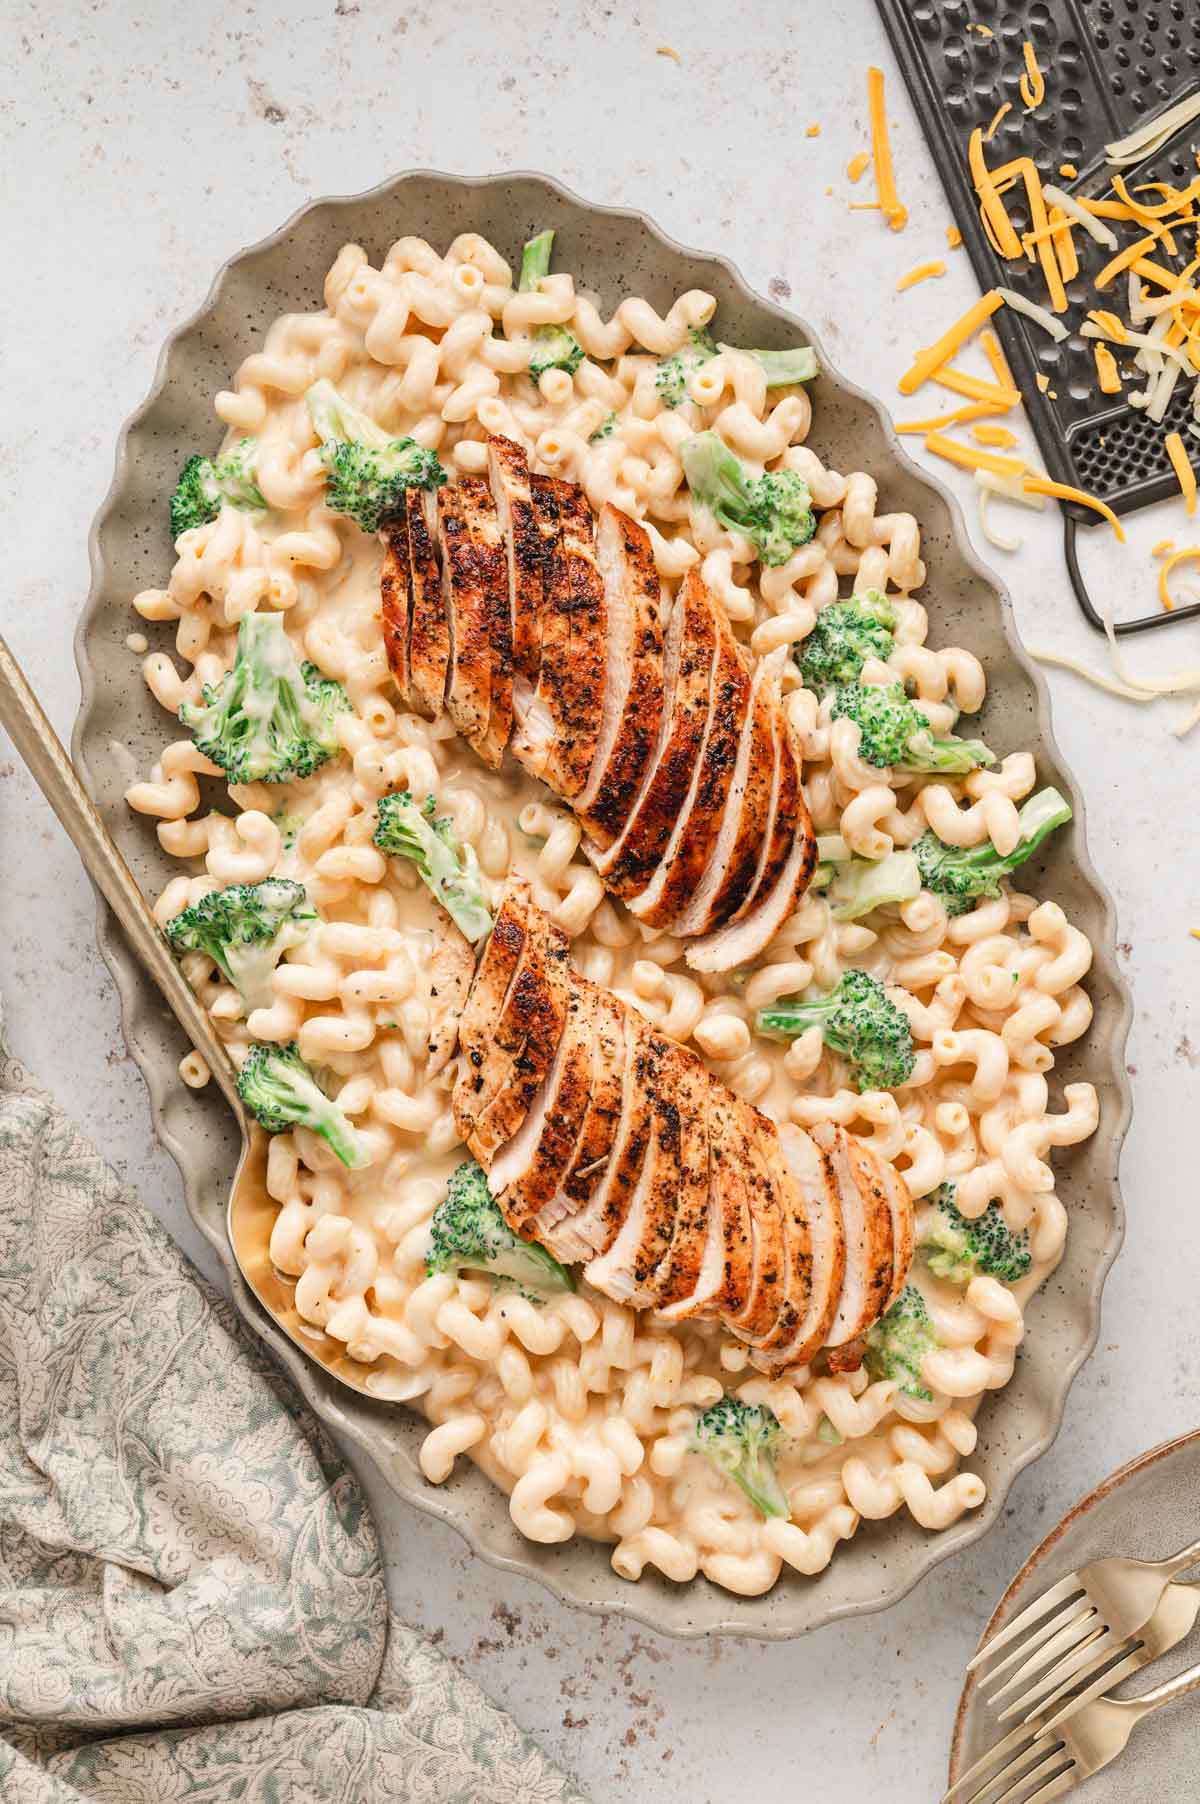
(1071, 1647)
(535, 628)
(618, 1149)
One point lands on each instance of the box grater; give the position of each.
(1110, 66)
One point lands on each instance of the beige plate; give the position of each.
(1147, 1510)
(613, 253)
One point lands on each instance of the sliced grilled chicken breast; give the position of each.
(394, 580)
(508, 473)
(476, 598)
(680, 1271)
(763, 1309)
(593, 1228)
(527, 1173)
(484, 1066)
(451, 968)
(558, 738)
(429, 631)
(730, 1216)
(820, 1199)
(601, 1119)
(531, 1023)
(742, 842)
(902, 1227)
(691, 648)
(626, 1270)
(867, 1217)
(691, 845)
(633, 677)
(740, 941)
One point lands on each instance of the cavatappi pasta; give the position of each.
(581, 1409)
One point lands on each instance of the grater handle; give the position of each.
(1145, 624)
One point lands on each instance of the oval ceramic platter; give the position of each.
(613, 253)
(1146, 1511)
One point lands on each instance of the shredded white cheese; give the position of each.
(1058, 197)
(1002, 541)
(1041, 316)
(1151, 136)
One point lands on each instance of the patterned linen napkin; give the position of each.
(192, 1605)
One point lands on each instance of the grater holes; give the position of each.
(1101, 40)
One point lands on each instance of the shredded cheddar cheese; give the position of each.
(920, 273)
(1123, 260)
(992, 209)
(1178, 200)
(970, 459)
(1068, 171)
(881, 152)
(858, 165)
(995, 356)
(1043, 382)
(937, 354)
(953, 237)
(1064, 244)
(998, 437)
(1062, 491)
(1162, 548)
(997, 116)
(1109, 324)
(813, 131)
(1189, 554)
(976, 411)
(1032, 85)
(999, 400)
(1180, 463)
(1107, 372)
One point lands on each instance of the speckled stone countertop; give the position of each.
(145, 145)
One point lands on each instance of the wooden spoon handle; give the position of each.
(55, 775)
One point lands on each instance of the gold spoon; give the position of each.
(252, 1211)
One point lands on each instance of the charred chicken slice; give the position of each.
(508, 473)
(690, 848)
(475, 594)
(633, 677)
(429, 629)
(691, 648)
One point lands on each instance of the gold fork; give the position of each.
(1108, 1600)
(1046, 1730)
(1079, 1743)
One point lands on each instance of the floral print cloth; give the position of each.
(192, 1605)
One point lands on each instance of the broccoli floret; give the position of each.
(604, 430)
(961, 874)
(409, 829)
(205, 483)
(470, 1234)
(847, 633)
(894, 732)
(673, 373)
(774, 510)
(281, 1092)
(554, 348)
(369, 470)
(898, 1343)
(739, 1438)
(244, 929)
(857, 1020)
(783, 369)
(957, 1248)
(271, 718)
(855, 886)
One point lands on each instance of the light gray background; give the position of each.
(143, 146)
